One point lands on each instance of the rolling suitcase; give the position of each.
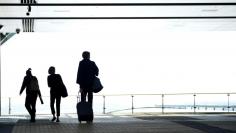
(85, 112)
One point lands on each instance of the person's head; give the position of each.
(86, 55)
(28, 72)
(51, 70)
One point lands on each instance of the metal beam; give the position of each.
(124, 4)
(6, 37)
(121, 4)
(170, 17)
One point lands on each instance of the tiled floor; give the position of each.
(217, 123)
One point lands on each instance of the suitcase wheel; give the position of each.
(89, 122)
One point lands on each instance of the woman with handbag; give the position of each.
(57, 86)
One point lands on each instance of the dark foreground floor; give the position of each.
(202, 123)
(6, 127)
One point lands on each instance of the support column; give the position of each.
(0, 82)
(3, 39)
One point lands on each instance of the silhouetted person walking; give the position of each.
(55, 83)
(30, 82)
(87, 71)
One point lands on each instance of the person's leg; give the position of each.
(83, 96)
(52, 101)
(90, 97)
(27, 104)
(33, 105)
(58, 102)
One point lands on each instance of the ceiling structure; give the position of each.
(76, 15)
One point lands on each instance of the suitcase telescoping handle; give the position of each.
(79, 97)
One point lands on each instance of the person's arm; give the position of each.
(40, 96)
(96, 70)
(23, 86)
(39, 93)
(78, 75)
(60, 79)
(49, 83)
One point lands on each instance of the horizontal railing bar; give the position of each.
(163, 94)
(118, 110)
(148, 94)
(166, 107)
(121, 4)
(180, 17)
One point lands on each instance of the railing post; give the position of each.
(228, 101)
(9, 112)
(132, 104)
(104, 105)
(194, 103)
(162, 103)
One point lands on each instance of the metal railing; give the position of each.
(194, 106)
(129, 103)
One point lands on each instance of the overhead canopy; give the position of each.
(76, 15)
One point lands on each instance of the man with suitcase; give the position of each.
(87, 71)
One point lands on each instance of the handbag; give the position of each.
(64, 92)
(97, 85)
